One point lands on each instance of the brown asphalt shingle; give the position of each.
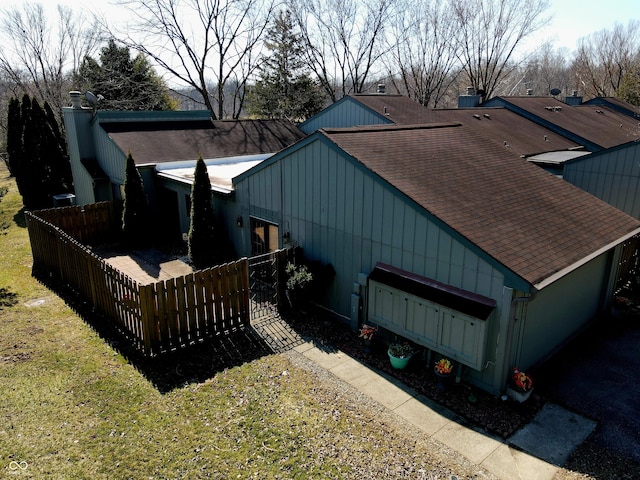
(522, 136)
(530, 221)
(399, 109)
(597, 123)
(158, 142)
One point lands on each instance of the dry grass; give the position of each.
(74, 407)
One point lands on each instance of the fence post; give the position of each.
(244, 286)
(147, 317)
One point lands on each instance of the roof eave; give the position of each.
(567, 270)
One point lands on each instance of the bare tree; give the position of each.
(344, 40)
(40, 56)
(421, 59)
(604, 57)
(554, 69)
(488, 33)
(545, 70)
(202, 43)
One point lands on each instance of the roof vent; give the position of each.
(486, 115)
(76, 100)
(475, 115)
(600, 112)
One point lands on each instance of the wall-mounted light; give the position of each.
(239, 222)
(286, 237)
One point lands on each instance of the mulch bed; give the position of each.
(493, 414)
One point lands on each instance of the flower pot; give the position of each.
(518, 395)
(443, 379)
(398, 362)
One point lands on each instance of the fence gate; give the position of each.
(263, 285)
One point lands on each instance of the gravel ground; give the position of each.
(410, 453)
(498, 417)
(591, 460)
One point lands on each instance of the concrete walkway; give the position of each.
(536, 452)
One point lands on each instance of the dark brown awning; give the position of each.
(463, 301)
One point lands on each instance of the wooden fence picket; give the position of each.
(158, 317)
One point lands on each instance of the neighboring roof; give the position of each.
(538, 226)
(617, 105)
(557, 158)
(399, 109)
(507, 129)
(153, 142)
(597, 125)
(221, 171)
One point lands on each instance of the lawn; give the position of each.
(73, 406)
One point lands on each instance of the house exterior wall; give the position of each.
(344, 113)
(344, 216)
(79, 146)
(559, 310)
(612, 175)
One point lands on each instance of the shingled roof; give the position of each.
(598, 124)
(507, 129)
(399, 109)
(535, 224)
(154, 142)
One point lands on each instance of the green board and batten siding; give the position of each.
(346, 112)
(343, 214)
(612, 175)
(445, 330)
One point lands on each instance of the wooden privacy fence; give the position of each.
(97, 221)
(159, 317)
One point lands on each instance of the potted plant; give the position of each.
(443, 370)
(520, 386)
(298, 282)
(366, 333)
(400, 354)
(443, 367)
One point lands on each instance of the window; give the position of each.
(264, 237)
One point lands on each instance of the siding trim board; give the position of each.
(470, 303)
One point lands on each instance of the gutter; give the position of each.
(509, 341)
(565, 271)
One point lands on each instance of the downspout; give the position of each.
(512, 319)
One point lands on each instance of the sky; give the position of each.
(571, 19)
(574, 19)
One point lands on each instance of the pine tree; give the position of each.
(37, 153)
(135, 210)
(284, 89)
(125, 83)
(14, 140)
(202, 232)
